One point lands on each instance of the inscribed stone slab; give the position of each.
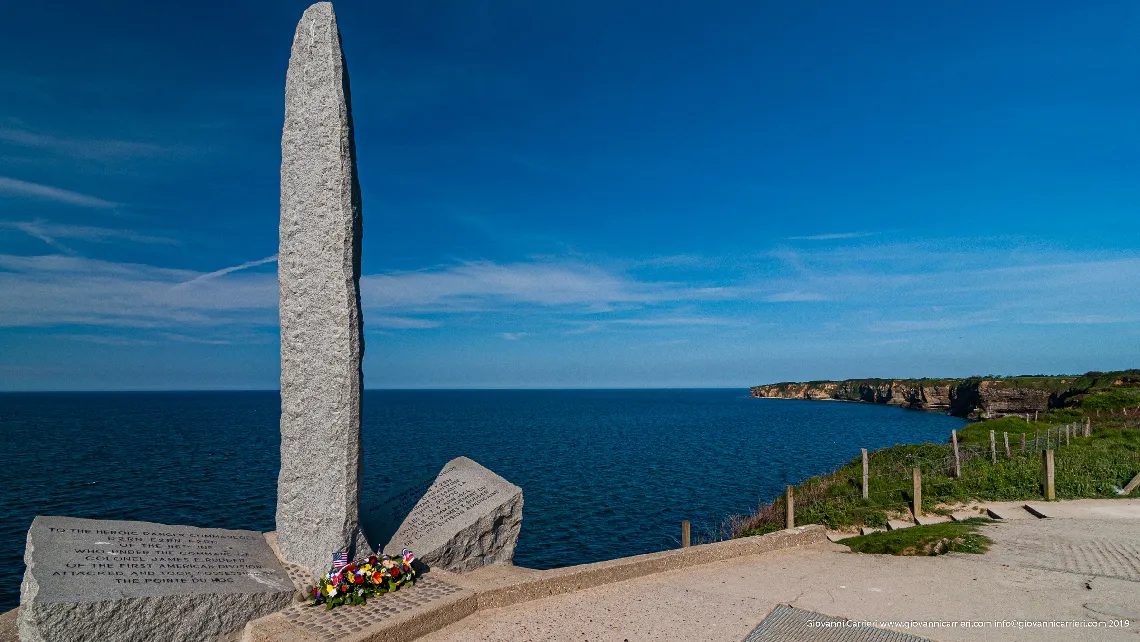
(469, 517)
(118, 581)
(380, 518)
(318, 274)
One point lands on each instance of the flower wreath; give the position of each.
(355, 582)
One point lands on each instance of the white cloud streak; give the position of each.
(230, 270)
(51, 233)
(87, 148)
(836, 236)
(16, 187)
(889, 291)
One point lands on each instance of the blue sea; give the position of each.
(605, 473)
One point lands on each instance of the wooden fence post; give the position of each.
(1048, 475)
(957, 461)
(1036, 439)
(1088, 427)
(685, 534)
(917, 492)
(1034, 415)
(1132, 485)
(993, 448)
(1022, 442)
(1067, 427)
(866, 475)
(790, 504)
(1008, 452)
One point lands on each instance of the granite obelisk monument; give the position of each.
(318, 274)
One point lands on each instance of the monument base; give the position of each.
(117, 581)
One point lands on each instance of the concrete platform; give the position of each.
(443, 598)
(725, 601)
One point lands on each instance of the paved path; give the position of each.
(1082, 567)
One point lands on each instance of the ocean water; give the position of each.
(605, 473)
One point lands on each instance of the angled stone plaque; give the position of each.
(116, 581)
(469, 517)
(382, 514)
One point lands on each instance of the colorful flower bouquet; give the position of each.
(354, 583)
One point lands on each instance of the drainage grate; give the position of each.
(787, 623)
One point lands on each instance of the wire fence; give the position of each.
(1007, 465)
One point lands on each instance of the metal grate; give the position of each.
(786, 623)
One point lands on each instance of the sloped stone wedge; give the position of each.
(469, 517)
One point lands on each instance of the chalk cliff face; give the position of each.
(976, 398)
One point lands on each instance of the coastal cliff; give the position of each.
(975, 397)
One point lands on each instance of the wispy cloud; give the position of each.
(109, 340)
(887, 290)
(399, 323)
(16, 187)
(834, 236)
(788, 297)
(949, 323)
(51, 233)
(513, 336)
(679, 321)
(478, 285)
(88, 148)
(229, 270)
(72, 290)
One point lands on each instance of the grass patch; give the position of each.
(1112, 399)
(935, 539)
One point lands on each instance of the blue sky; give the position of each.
(586, 194)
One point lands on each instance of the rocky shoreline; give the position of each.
(973, 398)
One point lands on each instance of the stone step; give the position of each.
(867, 530)
(926, 520)
(963, 516)
(1007, 513)
(1042, 511)
(896, 524)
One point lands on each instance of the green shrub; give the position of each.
(875, 519)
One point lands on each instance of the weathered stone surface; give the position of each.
(116, 581)
(469, 517)
(382, 515)
(322, 341)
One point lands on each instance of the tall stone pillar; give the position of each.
(318, 275)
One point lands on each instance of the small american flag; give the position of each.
(340, 560)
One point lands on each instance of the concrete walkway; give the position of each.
(1078, 564)
(1081, 566)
